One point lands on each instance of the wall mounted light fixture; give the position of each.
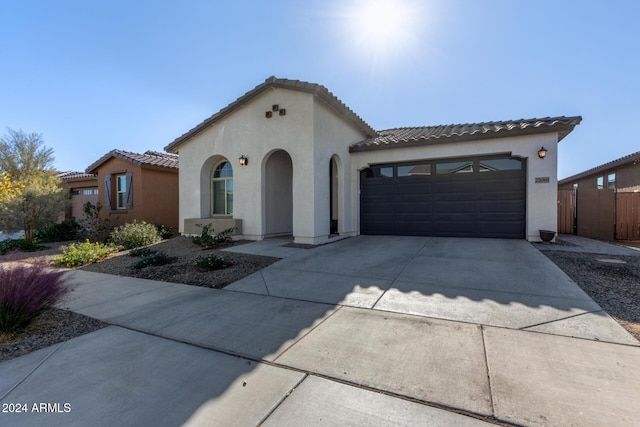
(542, 153)
(244, 160)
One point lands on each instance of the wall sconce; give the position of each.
(542, 153)
(244, 161)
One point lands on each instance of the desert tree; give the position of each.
(8, 189)
(29, 163)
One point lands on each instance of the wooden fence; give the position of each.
(566, 211)
(599, 214)
(628, 216)
(595, 213)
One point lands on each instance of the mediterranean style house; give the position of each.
(82, 188)
(602, 202)
(141, 187)
(622, 175)
(289, 158)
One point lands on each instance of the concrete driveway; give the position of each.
(497, 282)
(365, 331)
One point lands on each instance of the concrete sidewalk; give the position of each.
(583, 244)
(182, 354)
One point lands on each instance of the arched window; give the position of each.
(222, 189)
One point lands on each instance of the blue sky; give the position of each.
(91, 76)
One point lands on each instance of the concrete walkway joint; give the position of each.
(399, 331)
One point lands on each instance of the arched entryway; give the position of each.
(278, 194)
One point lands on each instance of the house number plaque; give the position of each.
(542, 179)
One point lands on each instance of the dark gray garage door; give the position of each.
(461, 197)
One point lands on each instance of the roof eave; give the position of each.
(631, 158)
(352, 118)
(234, 106)
(93, 168)
(160, 167)
(113, 153)
(561, 130)
(79, 178)
(317, 90)
(86, 178)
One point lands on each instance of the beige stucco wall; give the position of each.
(247, 132)
(332, 137)
(312, 134)
(309, 133)
(541, 197)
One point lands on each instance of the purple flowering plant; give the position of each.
(26, 290)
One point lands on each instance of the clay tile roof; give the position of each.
(148, 158)
(425, 135)
(629, 158)
(72, 175)
(273, 82)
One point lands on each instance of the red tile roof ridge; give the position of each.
(68, 175)
(423, 134)
(150, 157)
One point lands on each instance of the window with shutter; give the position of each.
(121, 191)
(129, 191)
(107, 192)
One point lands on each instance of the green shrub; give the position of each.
(135, 234)
(78, 254)
(206, 235)
(137, 252)
(97, 227)
(208, 239)
(19, 244)
(164, 231)
(26, 291)
(213, 262)
(8, 245)
(69, 229)
(155, 259)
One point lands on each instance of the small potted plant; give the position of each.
(547, 235)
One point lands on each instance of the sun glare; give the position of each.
(382, 19)
(382, 27)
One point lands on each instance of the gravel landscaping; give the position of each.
(51, 327)
(182, 270)
(54, 325)
(613, 283)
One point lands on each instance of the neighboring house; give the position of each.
(289, 158)
(622, 175)
(142, 187)
(602, 202)
(82, 188)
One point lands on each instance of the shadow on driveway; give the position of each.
(378, 330)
